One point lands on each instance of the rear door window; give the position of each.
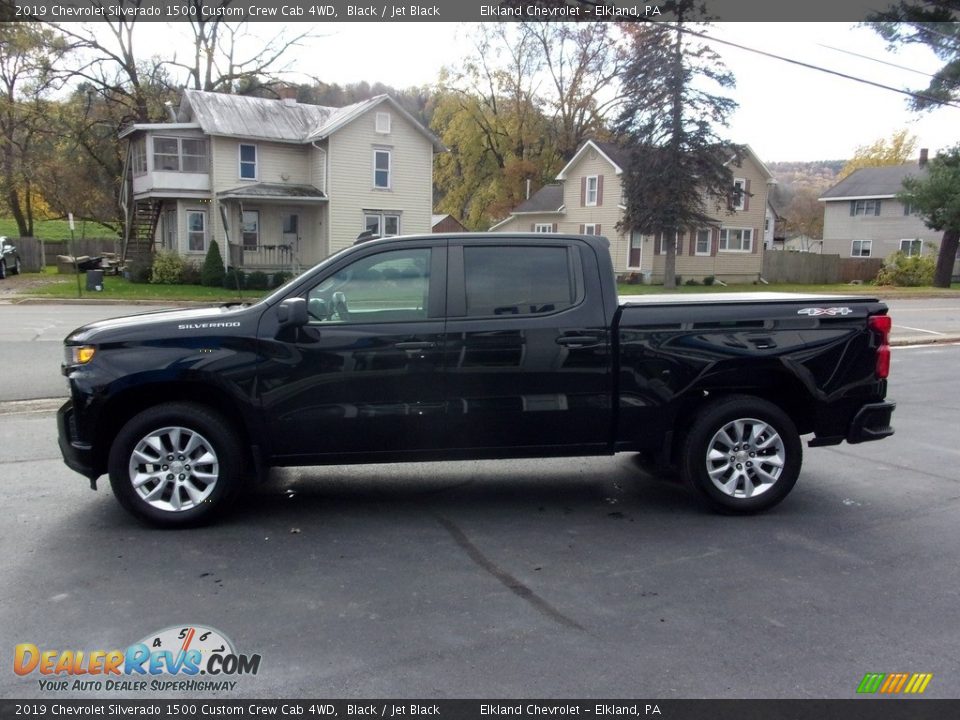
(519, 280)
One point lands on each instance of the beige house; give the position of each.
(282, 184)
(587, 200)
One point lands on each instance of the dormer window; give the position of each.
(383, 123)
(593, 190)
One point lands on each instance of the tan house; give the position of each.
(587, 200)
(282, 184)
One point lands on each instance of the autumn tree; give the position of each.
(934, 24)
(893, 151)
(28, 55)
(936, 198)
(678, 165)
(804, 214)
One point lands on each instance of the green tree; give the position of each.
(678, 164)
(934, 24)
(212, 272)
(895, 151)
(936, 197)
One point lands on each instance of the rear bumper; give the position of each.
(77, 455)
(872, 422)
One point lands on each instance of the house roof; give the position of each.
(875, 182)
(273, 191)
(548, 199)
(244, 116)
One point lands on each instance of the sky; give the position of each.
(785, 112)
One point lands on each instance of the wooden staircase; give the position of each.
(142, 229)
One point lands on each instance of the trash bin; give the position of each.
(95, 280)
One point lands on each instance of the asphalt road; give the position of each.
(546, 578)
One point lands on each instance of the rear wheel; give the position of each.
(743, 454)
(175, 465)
(17, 267)
(3, 269)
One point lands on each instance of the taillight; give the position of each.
(881, 325)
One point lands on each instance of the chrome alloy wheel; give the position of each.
(745, 458)
(174, 469)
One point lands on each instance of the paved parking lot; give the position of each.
(546, 578)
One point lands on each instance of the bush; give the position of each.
(279, 278)
(907, 271)
(212, 273)
(140, 270)
(692, 281)
(708, 280)
(234, 279)
(257, 280)
(191, 273)
(167, 267)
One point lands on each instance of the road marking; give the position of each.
(907, 327)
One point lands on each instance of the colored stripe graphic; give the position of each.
(895, 683)
(871, 682)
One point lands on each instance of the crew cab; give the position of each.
(470, 346)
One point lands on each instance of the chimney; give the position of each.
(288, 95)
(528, 188)
(923, 157)
(171, 112)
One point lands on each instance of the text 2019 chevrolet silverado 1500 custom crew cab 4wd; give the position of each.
(470, 346)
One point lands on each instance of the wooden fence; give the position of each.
(35, 253)
(814, 268)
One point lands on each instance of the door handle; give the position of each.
(577, 341)
(415, 345)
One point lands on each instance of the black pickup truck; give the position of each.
(470, 346)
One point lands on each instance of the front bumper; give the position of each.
(872, 422)
(76, 454)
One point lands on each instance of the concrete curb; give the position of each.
(913, 340)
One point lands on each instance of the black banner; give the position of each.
(425, 10)
(859, 709)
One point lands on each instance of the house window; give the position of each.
(911, 247)
(175, 154)
(702, 246)
(543, 227)
(138, 159)
(593, 190)
(197, 230)
(864, 207)
(170, 229)
(908, 209)
(662, 249)
(383, 123)
(383, 224)
(739, 193)
(248, 162)
(250, 229)
(591, 229)
(381, 169)
(736, 240)
(861, 248)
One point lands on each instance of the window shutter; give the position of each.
(554, 227)
(853, 208)
(598, 230)
(657, 243)
(746, 195)
(583, 194)
(754, 245)
(715, 242)
(533, 227)
(582, 229)
(876, 207)
(599, 195)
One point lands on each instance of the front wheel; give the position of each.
(176, 464)
(743, 454)
(17, 266)
(3, 270)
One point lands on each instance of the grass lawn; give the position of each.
(116, 288)
(57, 229)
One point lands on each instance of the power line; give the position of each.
(876, 60)
(810, 66)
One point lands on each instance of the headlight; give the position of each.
(80, 354)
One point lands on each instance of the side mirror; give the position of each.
(292, 312)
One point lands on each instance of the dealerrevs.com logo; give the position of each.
(191, 658)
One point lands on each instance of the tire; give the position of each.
(17, 267)
(176, 492)
(743, 455)
(3, 270)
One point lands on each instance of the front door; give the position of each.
(364, 376)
